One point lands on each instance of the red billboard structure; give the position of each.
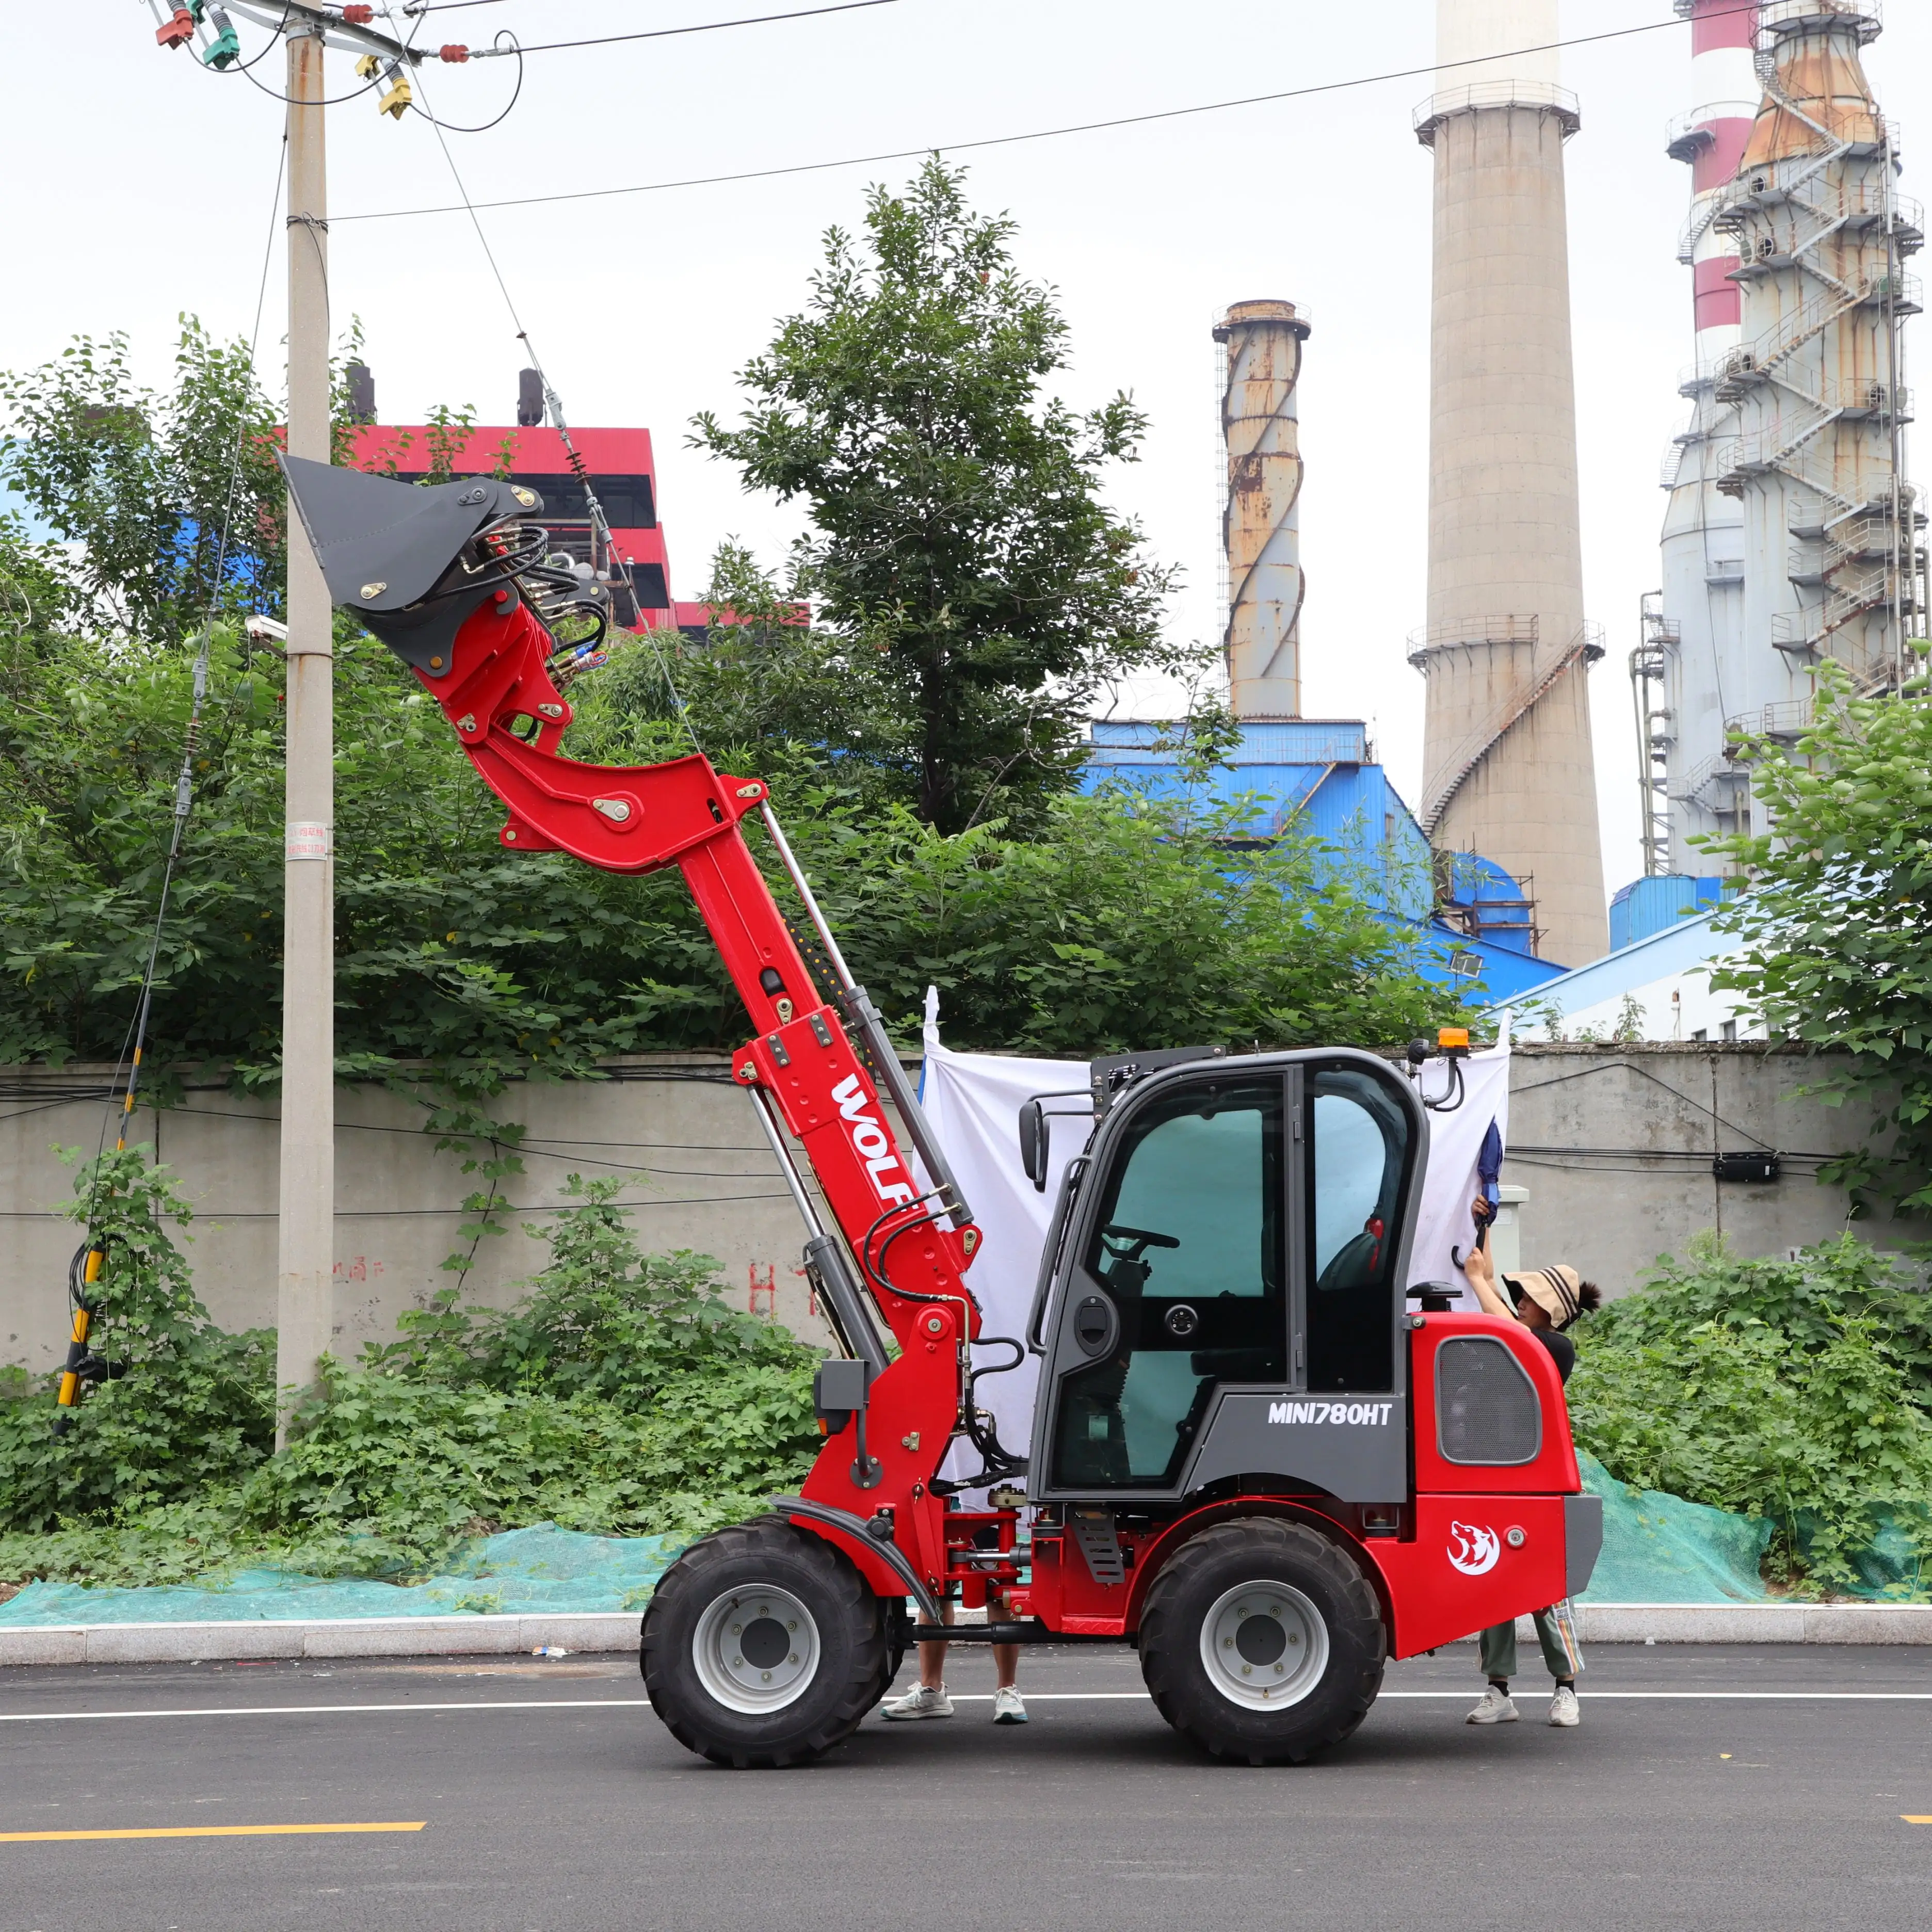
(635, 564)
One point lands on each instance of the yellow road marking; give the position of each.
(204, 1831)
(1910, 1818)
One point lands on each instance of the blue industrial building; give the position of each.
(1319, 776)
(1648, 906)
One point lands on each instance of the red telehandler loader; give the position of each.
(1249, 1459)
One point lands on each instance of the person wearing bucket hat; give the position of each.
(1546, 1301)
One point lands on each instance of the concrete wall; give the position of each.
(698, 1174)
(1614, 1145)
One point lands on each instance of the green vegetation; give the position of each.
(620, 1396)
(1797, 1391)
(959, 547)
(1839, 952)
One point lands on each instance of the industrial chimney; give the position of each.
(1507, 766)
(1261, 527)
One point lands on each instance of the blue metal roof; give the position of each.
(1312, 774)
(1676, 948)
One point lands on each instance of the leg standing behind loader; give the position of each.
(1249, 1460)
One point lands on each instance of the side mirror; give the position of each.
(1035, 1137)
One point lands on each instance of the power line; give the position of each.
(1035, 134)
(703, 27)
(601, 524)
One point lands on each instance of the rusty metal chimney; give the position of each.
(1261, 527)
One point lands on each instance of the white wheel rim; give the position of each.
(756, 1650)
(1264, 1645)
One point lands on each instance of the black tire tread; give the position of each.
(1167, 1646)
(680, 1598)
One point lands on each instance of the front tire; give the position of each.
(1262, 1642)
(763, 1646)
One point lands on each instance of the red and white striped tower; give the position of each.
(1696, 641)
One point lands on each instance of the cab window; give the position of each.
(1189, 1249)
(1358, 1147)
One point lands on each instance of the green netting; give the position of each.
(522, 1571)
(1658, 1548)
(1890, 1566)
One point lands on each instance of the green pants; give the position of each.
(1555, 1630)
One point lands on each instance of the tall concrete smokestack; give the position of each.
(1261, 526)
(1506, 761)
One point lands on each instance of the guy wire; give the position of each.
(601, 524)
(185, 780)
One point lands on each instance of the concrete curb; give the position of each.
(617, 1631)
(343, 1636)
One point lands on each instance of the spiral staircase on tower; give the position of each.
(1863, 556)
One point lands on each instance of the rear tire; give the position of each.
(763, 1646)
(1262, 1642)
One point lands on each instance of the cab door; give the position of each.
(1178, 1282)
(1240, 1238)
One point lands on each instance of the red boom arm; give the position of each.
(638, 819)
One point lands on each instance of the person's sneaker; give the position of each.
(1009, 1707)
(921, 1702)
(1563, 1708)
(1496, 1707)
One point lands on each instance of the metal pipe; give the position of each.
(825, 1260)
(871, 1023)
(761, 1103)
(804, 888)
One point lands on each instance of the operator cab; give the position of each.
(1222, 1289)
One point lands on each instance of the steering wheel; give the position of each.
(1137, 1241)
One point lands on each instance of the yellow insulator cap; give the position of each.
(396, 103)
(366, 67)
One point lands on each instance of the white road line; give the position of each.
(960, 1697)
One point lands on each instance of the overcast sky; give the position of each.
(143, 183)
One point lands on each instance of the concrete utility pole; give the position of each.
(303, 1299)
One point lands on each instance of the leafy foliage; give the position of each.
(1838, 918)
(1800, 1391)
(621, 1397)
(146, 484)
(195, 1408)
(1128, 924)
(959, 534)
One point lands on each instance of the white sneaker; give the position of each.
(921, 1702)
(1496, 1707)
(1009, 1707)
(1563, 1708)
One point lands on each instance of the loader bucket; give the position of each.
(391, 552)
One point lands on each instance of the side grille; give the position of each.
(1486, 1411)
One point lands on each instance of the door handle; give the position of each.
(1096, 1325)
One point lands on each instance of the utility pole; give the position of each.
(305, 1265)
(305, 1286)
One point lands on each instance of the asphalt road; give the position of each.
(547, 1801)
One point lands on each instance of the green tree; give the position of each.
(1115, 922)
(959, 542)
(1838, 919)
(172, 498)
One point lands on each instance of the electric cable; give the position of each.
(1035, 134)
(601, 523)
(516, 93)
(83, 1367)
(704, 27)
